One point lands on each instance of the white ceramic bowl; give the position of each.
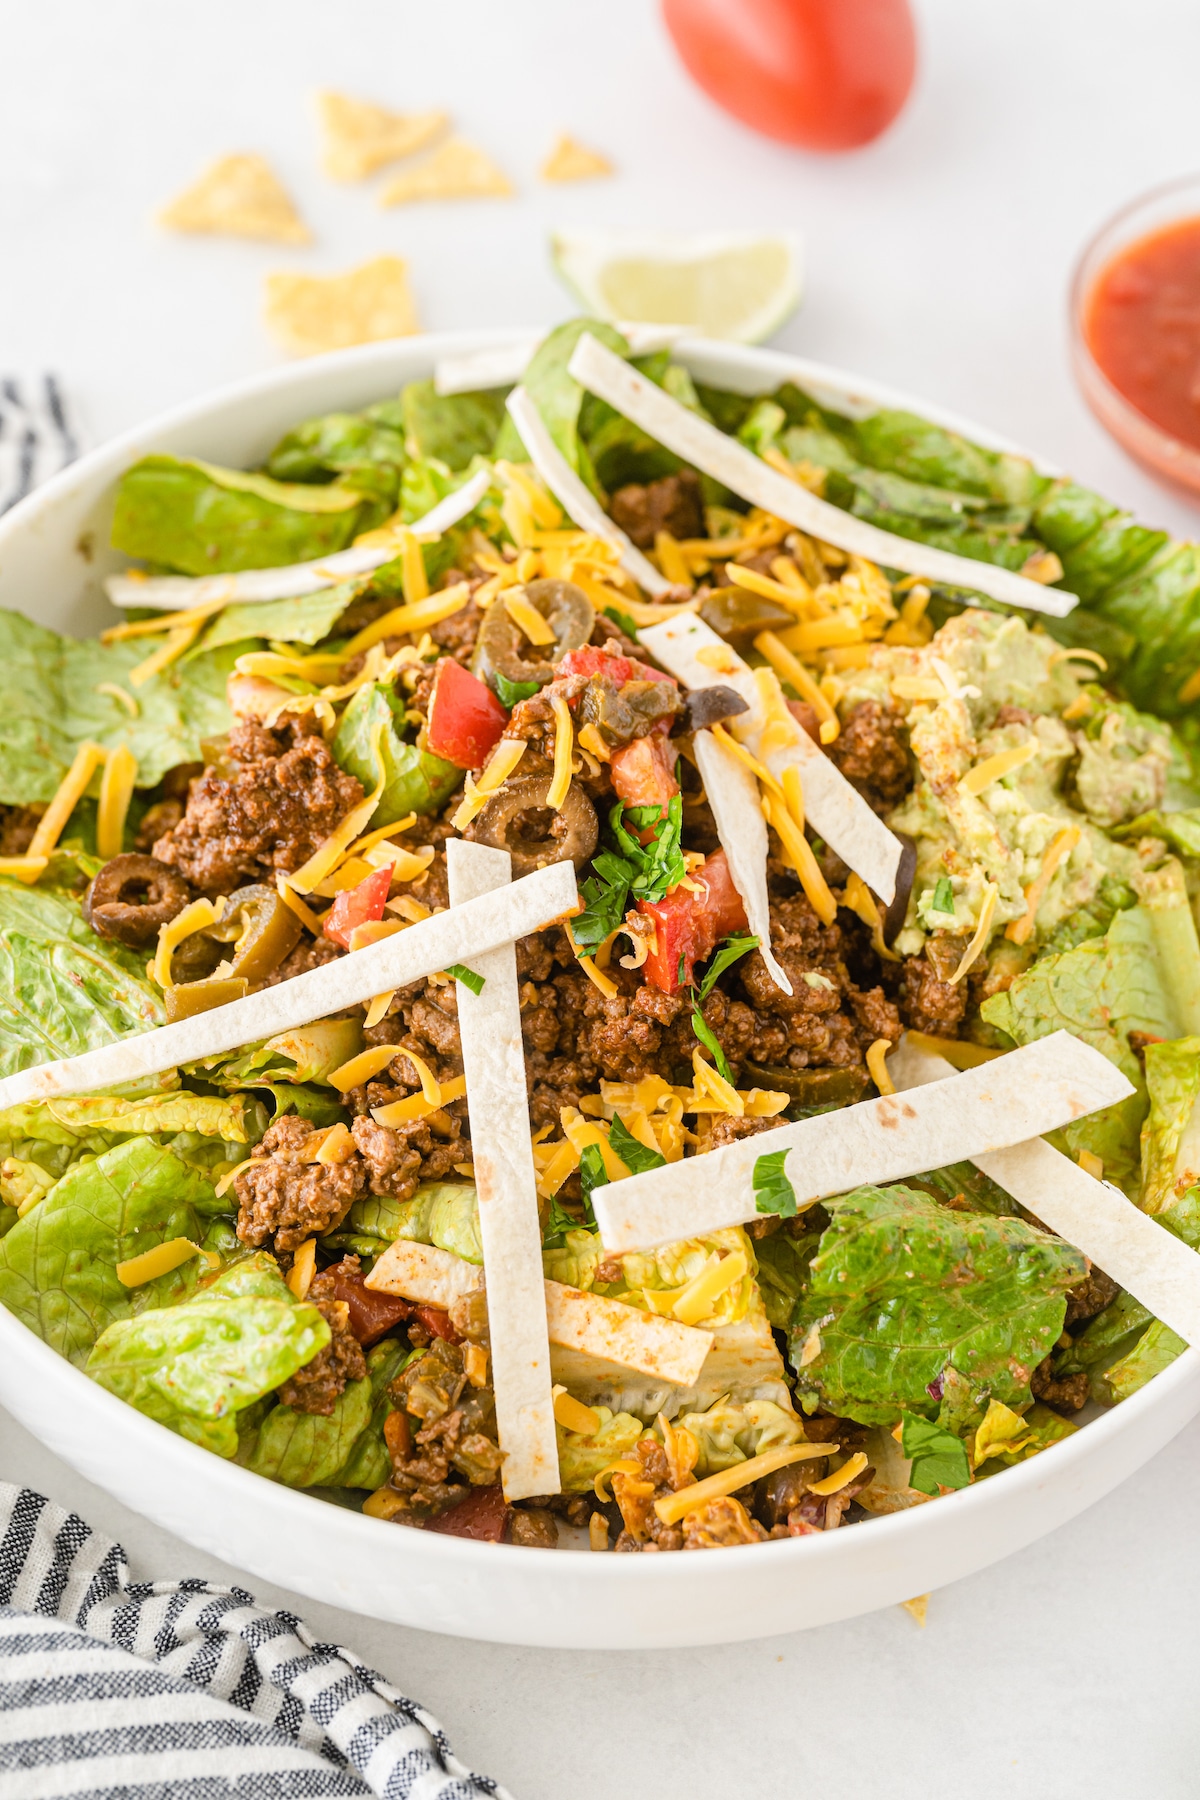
(52, 557)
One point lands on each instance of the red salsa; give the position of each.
(1142, 322)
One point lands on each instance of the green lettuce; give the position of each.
(450, 428)
(1106, 1339)
(559, 397)
(1101, 991)
(308, 1053)
(728, 1434)
(180, 513)
(40, 1140)
(63, 989)
(1171, 1138)
(58, 1263)
(414, 781)
(1154, 1351)
(364, 450)
(908, 1300)
(195, 1366)
(782, 1271)
(302, 619)
(344, 1448)
(444, 1213)
(49, 694)
(581, 1458)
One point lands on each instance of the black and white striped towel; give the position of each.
(38, 434)
(118, 1690)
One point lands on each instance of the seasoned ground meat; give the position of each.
(310, 953)
(871, 752)
(287, 1200)
(441, 1438)
(811, 1026)
(728, 1130)
(1065, 1393)
(398, 1158)
(17, 826)
(1089, 1298)
(266, 806)
(675, 504)
(315, 1387)
(533, 1526)
(158, 819)
(927, 1000)
(456, 635)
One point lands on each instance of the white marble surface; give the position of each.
(938, 260)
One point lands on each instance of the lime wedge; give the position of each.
(737, 285)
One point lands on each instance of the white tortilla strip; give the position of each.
(837, 810)
(573, 496)
(1156, 1267)
(177, 592)
(423, 1273)
(616, 1333)
(611, 378)
(1019, 1096)
(733, 795)
(744, 1363)
(595, 1330)
(463, 934)
(489, 1025)
(505, 365)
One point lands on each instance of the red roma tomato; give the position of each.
(465, 718)
(482, 1515)
(688, 927)
(359, 905)
(827, 74)
(643, 772)
(593, 661)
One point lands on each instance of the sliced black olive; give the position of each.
(708, 706)
(132, 896)
(735, 613)
(503, 649)
(893, 918)
(517, 819)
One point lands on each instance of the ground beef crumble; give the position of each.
(928, 1001)
(285, 1199)
(265, 806)
(675, 503)
(871, 751)
(315, 1387)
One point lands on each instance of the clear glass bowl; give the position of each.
(1164, 455)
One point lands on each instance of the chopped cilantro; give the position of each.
(558, 1225)
(633, 1154)
(623, 620)
(704, 1032)
(939, 1459)
(509, 692)
(468, 977)
(592, 1174)
(641, 871)
(773, 1192)
(730, 950)
(943, 896)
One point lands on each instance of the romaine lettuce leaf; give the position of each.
(559, 397)
(51, 1135)
(1101, 991)
(905, 1294)
(450, 428)
(729, 1434)
(581, 1459)
(195, 1366)
(366, 450)
(58, 1263)
(344, 1448)
(1154, 1351)
(444, 1213)
(180, 513)
(302, 619)
(414, 781)
(782, 1271)
(50, 700)
(63, 989)
(1171, 1138)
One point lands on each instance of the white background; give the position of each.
(938, 260)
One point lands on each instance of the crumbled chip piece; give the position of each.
(358, 138)
(572, 161)
(311, 313)
(455, 171)
(239, 196)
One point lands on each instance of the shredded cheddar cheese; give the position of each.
(794, 599)
(413, 616)
(1061, 845)
(573, 1415)
(859, 900)
(408, 908)
(337, 1146)
(121, 695)
(137, 1270)
(24, 868)
(582, 1133)
(419, 1106)
(833, 1484)
(327, 855)
(69, 793)
(116, 791)
(504, 759)
(781, 730)
(1077, 655)
(877, 1065)
(304, 1267)
(789, 668)
(672, 1507)
(295, 904)
(564, 736)
(719, 1274)
(374, 932)
(169, 651)
(1091, 1164)
(364, 1066)
(712, 1087)
(798, 853)
(993, 767)
(377, 1010)
(590, 740)
(980, 936)
(528, 619)
(758, 769)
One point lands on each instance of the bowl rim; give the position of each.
(465, 1556)
(1144, 437)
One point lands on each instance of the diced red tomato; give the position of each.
(482, 1515)
(688, 927)
(643, 771)
(591, 660)
(372, 1314)
(466, 719)
(434, 1319)
(358, 906)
